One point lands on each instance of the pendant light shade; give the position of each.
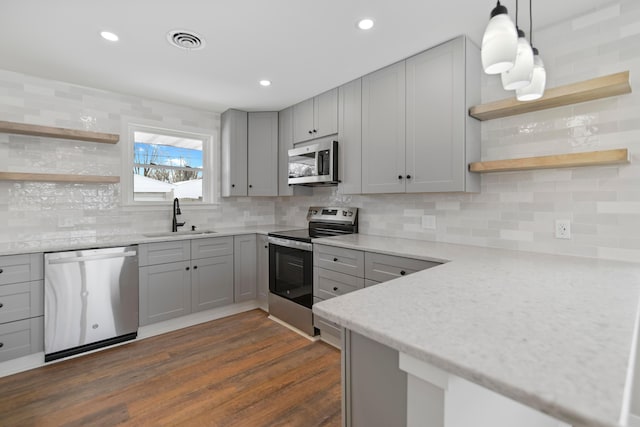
(499, 43)
(538, 81)
(520, 75)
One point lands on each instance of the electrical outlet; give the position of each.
(429, 222)
(563, 229)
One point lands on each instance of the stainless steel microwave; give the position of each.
(315, 164)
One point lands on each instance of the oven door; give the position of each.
(291, 270)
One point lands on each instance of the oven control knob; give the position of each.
(350, 213)
(314, 212)
(344, 213)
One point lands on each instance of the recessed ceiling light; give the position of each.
(365, 24)
(265, 83)
(108, 35)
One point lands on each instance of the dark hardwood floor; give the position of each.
(243, 370)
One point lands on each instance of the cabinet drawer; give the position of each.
(380, 268)
(21, 338)
(342, 260)
(164, 252)
(369, 282)
(21, 300)
(21, 268)
(328, 284)
(211, 247)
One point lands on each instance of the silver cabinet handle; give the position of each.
(92, 257)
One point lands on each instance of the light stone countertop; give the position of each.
(15, 248)
(556, 333)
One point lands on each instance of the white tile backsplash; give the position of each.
(515, 210)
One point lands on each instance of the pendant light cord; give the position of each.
(530, 23)
(516, 13)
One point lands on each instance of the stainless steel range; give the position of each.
(291, 264)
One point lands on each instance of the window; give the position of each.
(168, 164)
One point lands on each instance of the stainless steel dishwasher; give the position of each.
(91, 299)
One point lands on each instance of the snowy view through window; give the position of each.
(166, 167)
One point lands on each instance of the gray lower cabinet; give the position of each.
(185, 276)
(374, 388)
(338, 271)
(263, 154)
(263, 269)
(21, 305)
(21, 338)
(211, 282)
(233, 134)
(165, 291)
(245, 255)
(381, 267)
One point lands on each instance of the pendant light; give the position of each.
(534, 90)
(520, 74)
(499, 43)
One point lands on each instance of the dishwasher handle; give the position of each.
(91, 257)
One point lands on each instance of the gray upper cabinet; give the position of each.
(285, 143)
(263, 154)
(441, 138)
(303, 121)
(350, 137)
(383, 130)
(234, 152)
(316, 117)
(416, 133)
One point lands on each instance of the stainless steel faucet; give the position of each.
(176, 212)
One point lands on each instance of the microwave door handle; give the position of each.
(319, 162)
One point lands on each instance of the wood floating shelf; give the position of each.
(54, 177)
(588, 90)
(591, 158)
(55, 132)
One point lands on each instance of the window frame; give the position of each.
(210, 174)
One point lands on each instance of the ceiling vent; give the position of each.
(184, 39)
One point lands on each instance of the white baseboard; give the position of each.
(294, 329)
(36, 360)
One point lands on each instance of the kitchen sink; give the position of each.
(179, 233)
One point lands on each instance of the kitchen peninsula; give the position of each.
(555, 333)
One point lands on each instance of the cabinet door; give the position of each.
(263, 268)
(436, 115)
(234, 152)
(303, 121)
(383, 130)
(350, 137)
(245, 267)
(263, 154)
(165, 292)
(211, 282)
(325, 113)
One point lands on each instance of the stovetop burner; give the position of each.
(324, 222)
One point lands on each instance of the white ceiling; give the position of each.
(303, 46)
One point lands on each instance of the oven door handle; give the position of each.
(294, 244)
